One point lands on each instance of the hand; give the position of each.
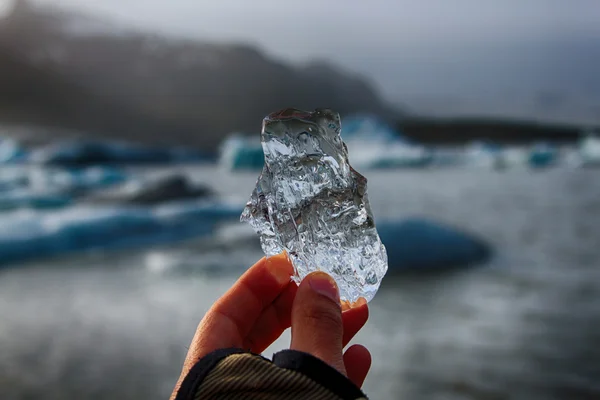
(264, 302)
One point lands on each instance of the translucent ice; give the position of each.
(311, 203)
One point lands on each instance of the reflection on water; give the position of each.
(525, 327)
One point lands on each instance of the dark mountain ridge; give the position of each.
(64, 71)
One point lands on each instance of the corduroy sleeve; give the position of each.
(236, 374)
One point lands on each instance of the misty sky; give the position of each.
(412, 49)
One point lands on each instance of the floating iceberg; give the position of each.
(448, 157)
(419, 244)
(367, 128)
(373, 144)
(33, 182)
(589, 151)
(542, 155)
(155, 191)
(43, 188)
(483, 155)
(382, 155)
(241, 153)
(27, 198)
(11, 151)
(513, 157)
(33, 234)
(79, 153)
(77, 180)
(12, 178)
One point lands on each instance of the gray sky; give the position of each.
(413, 50)
(325, 27)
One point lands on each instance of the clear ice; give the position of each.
(311, 203)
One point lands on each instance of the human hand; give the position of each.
(264, 302)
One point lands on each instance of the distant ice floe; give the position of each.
(587, 153)
(44, 188)
(11, 151)
(80, 153)
(143, 192)
(481, 154)
(29, 234)
(25, 198)
(543, 155)
(53, 210)
(239, 152)
(417, 244)
(590, 150)
(490, 156)
(413, 245)
(372, 144)
(514, 157)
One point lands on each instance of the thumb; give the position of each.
(317, 326)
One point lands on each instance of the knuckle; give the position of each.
(323, 318)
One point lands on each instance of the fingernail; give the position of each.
(324, 284)
(280, 268)
(346, 305)
(360, 302)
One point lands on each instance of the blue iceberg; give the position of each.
(11, 151)
(12, 178)
(374, 144)
(241, 153)
(52, 188)
(367, 127)
(419, 244)
(447, 157)
(79, 179)
(483, 154)
(27, 198)
(153, 191)
(542, 155)
(25, 236)
(588, 151)
(513, 157)
(81, 153)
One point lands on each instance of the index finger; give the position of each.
(233, 316)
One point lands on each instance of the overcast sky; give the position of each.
(410, 48)
(317, 27)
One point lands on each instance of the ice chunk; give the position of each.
(589, 149)
(10, 151)
(311, 203)
(96, 152)
(241, 153)
(31, 234)
(542, 155)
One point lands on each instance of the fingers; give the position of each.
(357, 361)
(354, 319)
(317, 326)
(275, 319)
(233, 316)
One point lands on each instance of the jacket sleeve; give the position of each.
(237, 374)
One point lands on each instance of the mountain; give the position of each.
(79, 72)
(44, 98)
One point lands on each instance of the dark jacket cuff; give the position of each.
(231, 373)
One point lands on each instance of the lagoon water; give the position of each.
(525, 326)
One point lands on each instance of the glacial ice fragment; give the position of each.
(311, 203)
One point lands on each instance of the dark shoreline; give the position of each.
(461, 130)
